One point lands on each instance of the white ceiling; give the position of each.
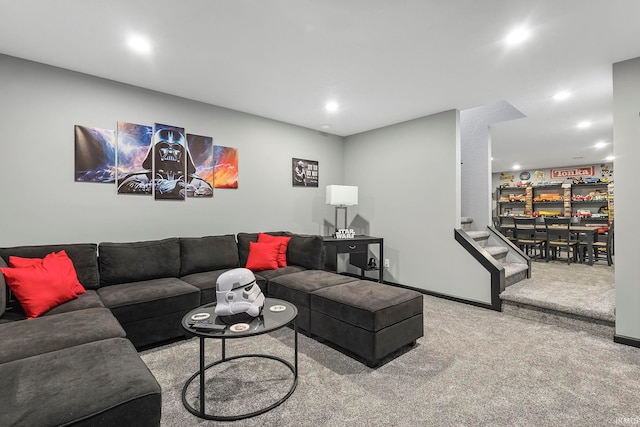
(383, 61)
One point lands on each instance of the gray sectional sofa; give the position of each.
(78, 363)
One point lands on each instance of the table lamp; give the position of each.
(342, 196)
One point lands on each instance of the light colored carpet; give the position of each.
(473, 367)
(577, 289)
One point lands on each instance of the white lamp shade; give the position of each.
(342, 195)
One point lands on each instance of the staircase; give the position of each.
(519, 301)
(516, 267)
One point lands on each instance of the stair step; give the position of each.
(497, 252)
(563, 319)
(514, 272)
(466, 222)
(479, 236)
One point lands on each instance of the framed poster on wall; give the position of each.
(304, 173)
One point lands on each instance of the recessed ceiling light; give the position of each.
(139, 44)
(609, 158)
(331, 106)
(516, 167)
(600, 144)
(561, 96)
(325, 126)
(517, 36)
(584, 124)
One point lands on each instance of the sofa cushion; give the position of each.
(83, 255)
(206, 282)
(296, 287)
(147, 299)
(263, 277)
(198, 254)
(371, 306)
(101, 383)
(305, 251)
(42, 335)
(37, 288)
(138, 261)
(263, 256)
(243, 243)
(284, 243)
(58, 261)
(89, 299)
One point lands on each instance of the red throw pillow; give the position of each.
(263, 256)
(56, 262)
(37, 289)
(284, 240)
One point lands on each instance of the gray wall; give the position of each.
(409, 183)
(475, 143)
(41, 203)
(626, 133)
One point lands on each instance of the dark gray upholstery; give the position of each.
(263, 277)
(89, 299)
(130, 302)
(198, 254)
(83, 256)
(137, 261)
(150, 310)
(71, 366)
(3, 289)
(305, 251)
(55, 332)
(368, 319)
(101, 383)
(206, 282)
(372, 306)
(243, 245)
(370, 346)
(297, 288)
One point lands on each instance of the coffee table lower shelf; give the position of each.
(275, 315)
(201, 411)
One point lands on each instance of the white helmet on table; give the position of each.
(237, 292)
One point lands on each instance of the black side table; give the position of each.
(275, 315)
(358, 250)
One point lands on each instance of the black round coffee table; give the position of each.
(275, 315)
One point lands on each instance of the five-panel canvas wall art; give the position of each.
(162, 161)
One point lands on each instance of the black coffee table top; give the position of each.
(272, 317)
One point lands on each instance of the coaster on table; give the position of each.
(200, 316)
(239, 327)
(277, 308)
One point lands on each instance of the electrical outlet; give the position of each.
(386, 263)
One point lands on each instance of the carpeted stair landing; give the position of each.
(582, 306)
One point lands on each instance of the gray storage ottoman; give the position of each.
(366, 318)
(297, 287)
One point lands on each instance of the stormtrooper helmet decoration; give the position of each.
(237, 292)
